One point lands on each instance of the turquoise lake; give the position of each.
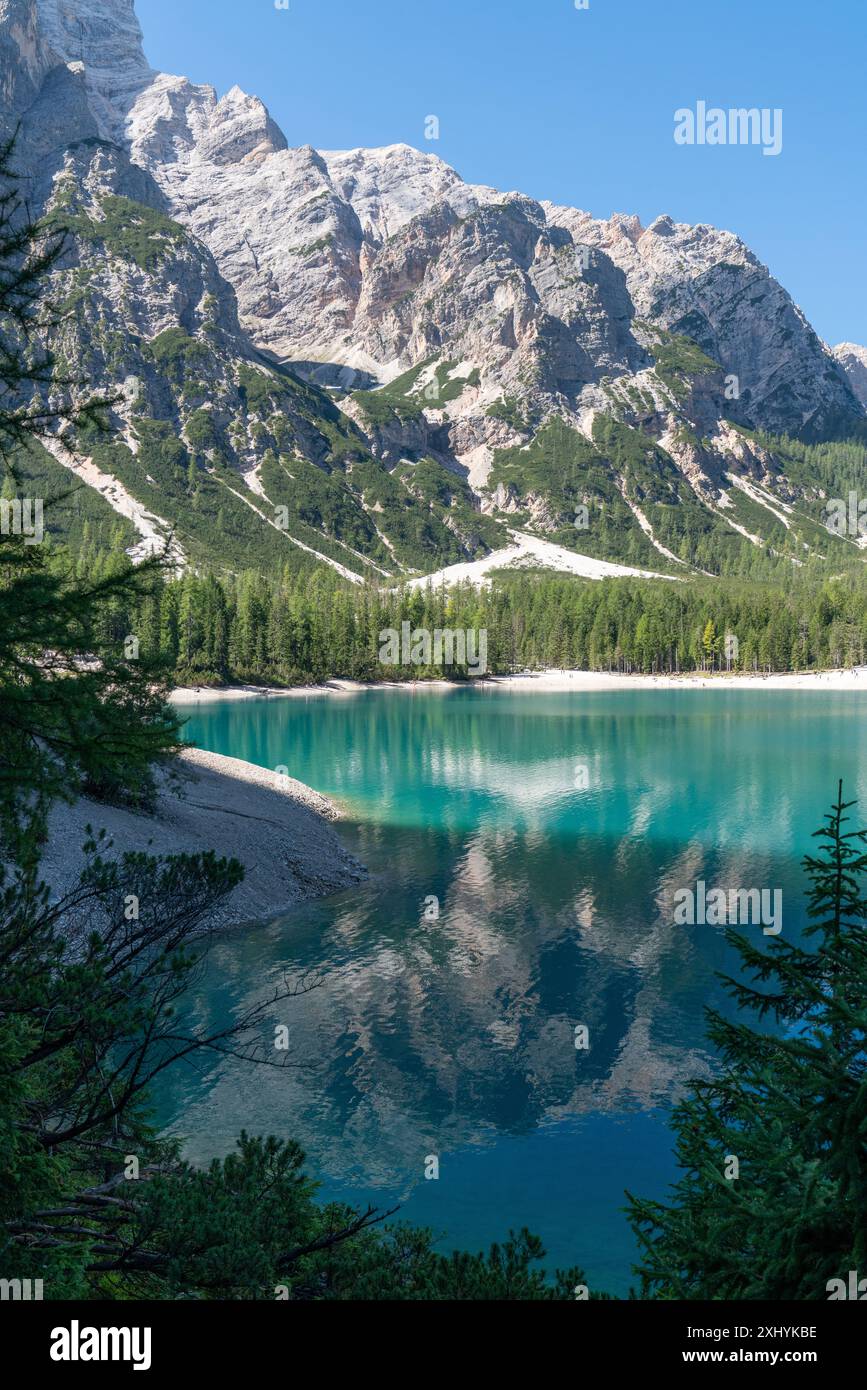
(554, 831)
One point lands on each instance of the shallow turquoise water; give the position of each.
(553, 830)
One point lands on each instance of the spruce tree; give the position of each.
(789, 1105)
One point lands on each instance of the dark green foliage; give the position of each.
(215, 519)
(308, 627)
(568, 472)
(248, 1227)
(128, 230)
(507, 410)
(77, 518)
(73, 722)
(405, 399)
(652, 481)
(202, 432)
(677, 359)
(377, 410)
(450, 497)
(790, 1103)
(394, 402)
(829, 469)
(322, 499)
(450, 387)
(179, 355)
(28, 253)
(425, 533)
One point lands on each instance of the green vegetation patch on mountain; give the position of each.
(322, 500)
(454, 502)
(808, 477)
(676, 359)
(507, 410)
(798, 537)
(406, 398)
(75, 516)
(395, 402)
(130, 230)
(213, 526)
(417, 532)
(351, 495)
(451, 387)
(565, 469)
(180, 356)
(834, 466)
(652, 482)
(298, 416)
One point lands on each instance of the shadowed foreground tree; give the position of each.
(102, 730)
(92, 1201)
(791, 1106)
(34, 397)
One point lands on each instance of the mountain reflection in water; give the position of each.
(554, 831)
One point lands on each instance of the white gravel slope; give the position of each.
(278, 828)
(527, 552)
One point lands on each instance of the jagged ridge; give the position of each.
(364, 340)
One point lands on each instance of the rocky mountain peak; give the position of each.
(388, 187)
(106, 37)
(240, 129)
(529, 350)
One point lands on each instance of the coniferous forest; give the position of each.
(299, 629)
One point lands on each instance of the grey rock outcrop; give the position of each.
(853, 360)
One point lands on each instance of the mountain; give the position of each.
(853, 360)
(358, 359)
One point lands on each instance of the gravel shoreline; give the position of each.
(279, 829)
(849, 679)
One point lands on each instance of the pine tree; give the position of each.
(71, 722)
(789, 1106)
(710, 641)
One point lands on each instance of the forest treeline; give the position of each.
(303, 628)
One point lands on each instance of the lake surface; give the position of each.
(553, 830)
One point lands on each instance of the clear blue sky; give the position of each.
(578, 106)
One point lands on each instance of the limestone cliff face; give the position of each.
(707, 285)
(105, 37)
(24, 56)
(482, 314)
(350, 255)
(853, 360)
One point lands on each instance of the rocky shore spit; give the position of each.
(279, 829)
